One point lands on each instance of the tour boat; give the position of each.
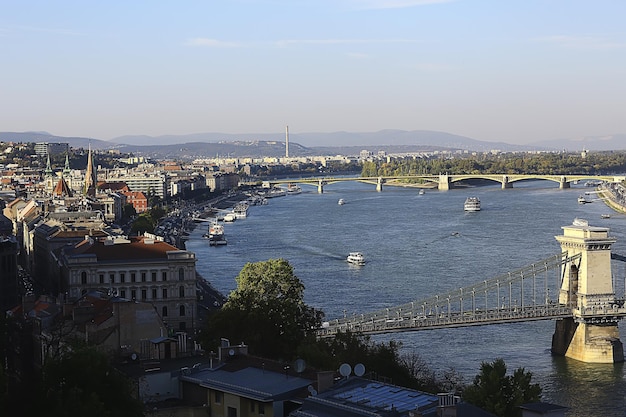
(472, 204)
(293, 189)
(216, 234)
(356, 258)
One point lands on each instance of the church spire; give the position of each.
(90, 177)
(48, 167)
(67, 170)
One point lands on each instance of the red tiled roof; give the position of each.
(135, 249)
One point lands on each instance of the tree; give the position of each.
(82, 382)
(267, 311)
(500, 394)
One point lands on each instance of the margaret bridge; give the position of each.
(445, 181)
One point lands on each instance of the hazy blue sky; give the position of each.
(500, 70)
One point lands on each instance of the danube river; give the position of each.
(421, 245)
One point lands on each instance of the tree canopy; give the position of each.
(495, 391)
(267, 311)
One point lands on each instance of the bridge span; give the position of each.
(444, 181)
(575, 288)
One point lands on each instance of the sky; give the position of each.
(512, 71)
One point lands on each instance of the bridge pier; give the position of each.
(444, 183)
(320, 186)
(590, 335)
(379, 184)
(505, 182)
(564, 183)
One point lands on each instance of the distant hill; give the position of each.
(210, 145)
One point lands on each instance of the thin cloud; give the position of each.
(393, 4)
(581, 42)
(288, 42)
(212, 43)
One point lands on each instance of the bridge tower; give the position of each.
(563, 183)
(379, 183)
(444, 182)
(590, 335)
(505, 182)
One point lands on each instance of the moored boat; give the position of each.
(472, 204)
(216, 234)
(293, 189)
(241, 210)
(356, 258)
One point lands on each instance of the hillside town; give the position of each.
(74, 267)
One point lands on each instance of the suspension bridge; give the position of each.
(575, 288)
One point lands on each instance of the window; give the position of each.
(181, 274)
(232, 412)
(154, 293)
(164, 276)
(123, 293)
(181, 292)
(181, 310)
(261, 409)
(153, 276)
(122, 277)
(164, 293)
(133, 277)
(143, 277)
(101, 278)
(111, 278)
(252, 406)
(164, 311)
(133, 294)
(83, 277)
(182, 326)
(218, 397)
(144, 294)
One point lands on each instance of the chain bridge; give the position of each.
(445, 181)
(574, 287)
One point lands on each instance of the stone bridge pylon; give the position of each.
(591, 334)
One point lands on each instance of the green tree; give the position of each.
(267, 311)
(493, 390)
(82, 382)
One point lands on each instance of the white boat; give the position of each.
(230, 217)
(472, 204)
(583, 200)
(293, 189)
(216, 234)
(341, 202)
(275, 192)
(241, 210)
(605, 216)
(580, 222)
(356, 258)
(421, 192)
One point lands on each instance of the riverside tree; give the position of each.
(267, 312)
(495, 391)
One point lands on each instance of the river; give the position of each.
(421, 245)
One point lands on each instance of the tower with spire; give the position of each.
(48, 176)
(91, 179)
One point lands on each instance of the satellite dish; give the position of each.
(231, 352)
(299, 365)
(359, 369)
(345, 369)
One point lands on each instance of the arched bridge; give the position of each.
(446, 181)
(526, 294)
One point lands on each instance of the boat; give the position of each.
(341, 202)
(275, 192)
(583, 200)
(421, 192)
(356, 258)
(230, 217)
(216, 234)
(580, 222)
(472, 204)
(605, 216)
(293, 189)
(241, 210)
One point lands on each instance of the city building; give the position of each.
(142, 268)
(50, 148)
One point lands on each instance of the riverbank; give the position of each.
(614, 196)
